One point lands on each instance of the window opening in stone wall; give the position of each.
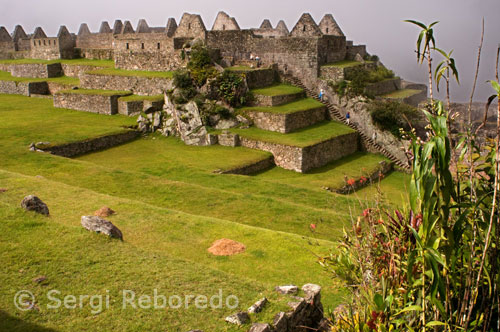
(39, 43)
(304, 28)
(128, 46)
(326, 30)
(34, 43)
(189, 26)
(142, 46)
(49, 42)
(44, 43)
(224, 27)
(55, 42)
(159, 46)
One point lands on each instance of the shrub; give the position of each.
(392, 115)
(200, 65)
(182, 79)
(231, 88)
(359, 78)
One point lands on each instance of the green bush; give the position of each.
(231, 88)
(359, 78)
(182, 79)
(392, 115)
(200, 65)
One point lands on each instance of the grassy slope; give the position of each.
(95, 92)
(295, 106)
(6, 76)
(152, 183)
(344, 64)
(75, 62)
(142, 98)
(401, 94)
(300, 138)
(135, 73)
(277, 90)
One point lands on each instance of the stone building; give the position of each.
(301, 51)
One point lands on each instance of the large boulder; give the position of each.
(33, 203)
(100, 225)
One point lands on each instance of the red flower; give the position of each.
(362, 180)
(380, 221)
(351, 182)
(313, 226)
(366, 212)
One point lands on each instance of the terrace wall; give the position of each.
(138, 85)
(286, 123)
(24, 88)
(89, 103)
(36, 70)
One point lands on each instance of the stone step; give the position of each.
(305, 149)
(276, 95)
(287, 118)
(95, 101)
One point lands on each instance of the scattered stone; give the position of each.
(312, 291)
(226, 124)
(33, 203)
(290, 289)
(257, 306)
(99, 225)
(280, 322)
(226, 247)
(39, 279)
(260, 327)
(104, 212)
(297, 306)
(2, 190)
(239, 318)
(32, 147)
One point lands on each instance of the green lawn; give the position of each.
(6, 76)
(132, 73)
(401, 94)
(332, 175)
(295, 106)
(344, 64)
(300, 138)
(171, 207)
(142, 98)
(278, 90)
(95, 92)
(75, 62)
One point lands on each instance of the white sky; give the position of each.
(378, 24)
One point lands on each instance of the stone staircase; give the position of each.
(339, 117)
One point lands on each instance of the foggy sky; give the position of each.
(378, 24)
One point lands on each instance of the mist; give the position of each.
(378, 24)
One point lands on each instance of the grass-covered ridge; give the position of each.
(277, 90)
(108, 93)
(401, 94)
(295, 106)
(132, 73)
(300, 138)
(142, 98)
(74, 62)
(65, 80)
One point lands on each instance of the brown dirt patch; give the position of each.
(226, 247)
(104, 212)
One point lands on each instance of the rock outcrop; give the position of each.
(35, 204)
(100, 225)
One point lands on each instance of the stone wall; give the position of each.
(352, 50)
(261, 100)
(252, 168)
(96, 54)
(56, 87)
(337, 74)
(86, 102)
(90, 145)
(148, 60)
(130, 107)
(286, 123)
(383, 87)
(36, 70)
(95, 41)
(260, 78)
(138, 85)
(322, 153)
(287, 157)
(45, 48)
(24, 88)
(76, 71)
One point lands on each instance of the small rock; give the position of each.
(39, 279)
(290, 289)
(311, 291)
(239, 318)
(104, 212)
(33, 203)
(260, 327)
(257, 306)
(99, 225)
(2, 190)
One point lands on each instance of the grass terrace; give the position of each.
(142, 98)
(240, 68)
(278, 90)
(295, 106)
(74, 62)
(6, 76)
(401, 94)
(132, 73)
(301, 138)
(95, 92)
(344, 64)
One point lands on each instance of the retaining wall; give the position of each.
(286, 123)
(261, 100)
(24, 88)
(36, 70)
(89, 103)
(138, 85)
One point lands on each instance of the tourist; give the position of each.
(257, 59)
(348, 118)
(374, 136)
(321, 94)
